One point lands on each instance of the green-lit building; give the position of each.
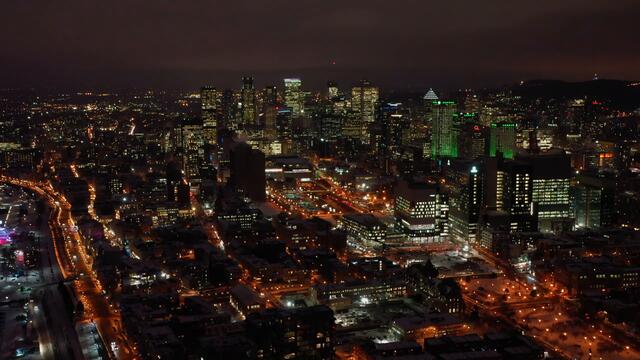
(444, 129)
(502, 138)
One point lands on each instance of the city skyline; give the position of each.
(365, 180)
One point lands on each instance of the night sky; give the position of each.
(395, 43)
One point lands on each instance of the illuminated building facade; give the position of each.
(248, 102)
(363, 230)
(502, 138)
(192, 141)
(364, 98)
(444, 129)
(509, 189)
(551, 182)
(209, 98)
(293, 96)
(421, 212)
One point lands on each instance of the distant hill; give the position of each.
(622, 95)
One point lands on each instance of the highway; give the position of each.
(74, 262)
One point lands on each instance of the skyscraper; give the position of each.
(210, 102)
(471, 138)
(364, 98)
(502, 138)
(393, 126)
(594, 199)
(551, 175)
(293, 96)
(509, 189)
(444, 130)
(270, 111)
(192, 143)
(332, 90)
(247, 171)
(248, 102)
(464, 188)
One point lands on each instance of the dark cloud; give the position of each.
(80, 43)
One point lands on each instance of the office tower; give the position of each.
(302, 333)
(284, 126)
(270, 112)
(471, 139)
(270, 96)
(430, 97)
(247, 171)
(464, 189)
(427, 116)
(575, 118)
(229, 108)
(502, 138)
(332, 90)
(364, 98)
(328, 129)
(444, 129)
(393, 125)
(594, 199)
(293, 96)
(421, 211)
(248, 102)
(192, 143)
(509, 190)
(472, 103)
(270, 117)
(210, 102)
(551, 175)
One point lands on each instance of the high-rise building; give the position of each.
(509, 189)
(247, 171)
(332, 90)
(293, 96)
(228, 110)
(471, 139)
(502, 138)
(270, 96)
(328, 128)
(248, 102)
(210, 103)
(421, 212)
(551, 176)
(594, 200)
(393, 125)
(364, 98)
(270, 111)
(444, 129)
(192, 143)
(284, 127)
(464, 187)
